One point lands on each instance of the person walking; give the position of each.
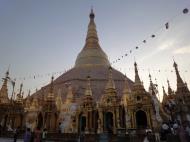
(27, 135)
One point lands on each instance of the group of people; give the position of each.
(169, 131)
(35, 136)
(182, 131)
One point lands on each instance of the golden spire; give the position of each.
(164, 95)
(92, 54)
(88, 91)
(179, 80)
(21, 85)
(182, 88)
(110, 84)
(51, 94)
(92, 37)
(51, 87)
(138, 85)
(137, 78)
(170, 92)
(4, 90)
(151, 87)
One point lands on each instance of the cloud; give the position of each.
(166, 45)
(184, 50)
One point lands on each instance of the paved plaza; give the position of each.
(9, 140)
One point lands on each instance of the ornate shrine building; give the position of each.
(93, 97)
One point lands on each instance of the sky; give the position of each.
(41, 37)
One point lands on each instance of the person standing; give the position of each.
(32, 137)
(27, 135)
(44, 135)
(37, 135)
(16, 133)
(182, 134)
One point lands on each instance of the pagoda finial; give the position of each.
(7, 73)
(92, 37)
(170, 92)
(179, 79)
(92, 47)
(51, 88)
(92, 13)
(4, 89)
(150, 78)
(21, 85)
(51, 94)
(151, 87)
(137, 78)
(164, 94)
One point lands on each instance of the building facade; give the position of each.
(94, 98)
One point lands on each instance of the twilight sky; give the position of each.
(39, 37)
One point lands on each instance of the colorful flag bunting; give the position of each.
(167, 25)
(185, 11)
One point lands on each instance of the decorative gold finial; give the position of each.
(51, 88)
(179, 79)
(51, 94)
(92, 13)
(137, 78)
(164, 92)
(150, 78)
(170, 92)
(7, 73)
(168, 83)
(21, 85)
(164, 95)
